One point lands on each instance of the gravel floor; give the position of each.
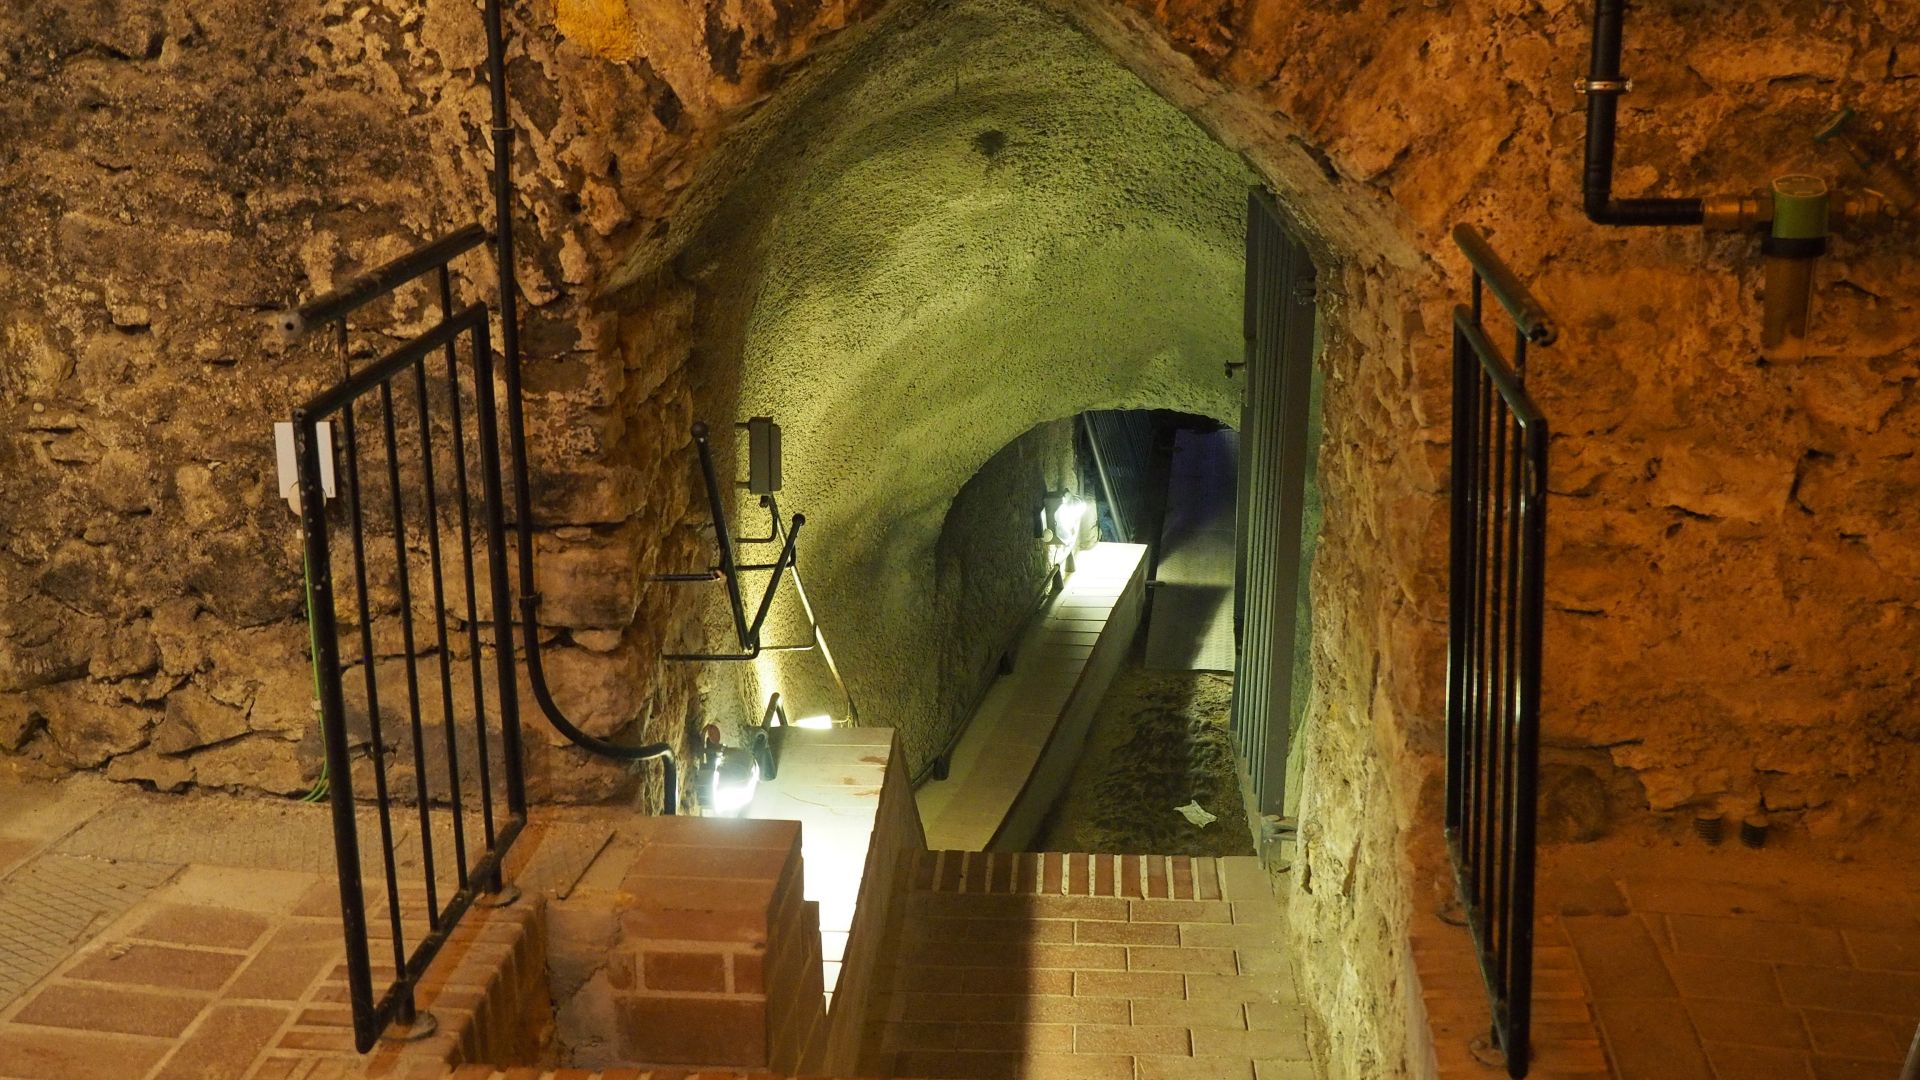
(1159, 740)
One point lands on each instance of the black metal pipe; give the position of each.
(1603, 88)
(422, 400)
(326, 646)
(375, 735)
(474, 667)
(750, 647)
(403, 579)
(772, 507)
(773, 585)
(376, 375)
(379, 281)
(516, 427)
(721, 535)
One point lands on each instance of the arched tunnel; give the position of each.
(974, 228)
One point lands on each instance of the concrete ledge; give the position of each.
(1020, 747)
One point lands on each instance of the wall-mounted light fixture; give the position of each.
(1063, 516)
(729, 775)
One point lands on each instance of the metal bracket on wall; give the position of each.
(746, 632)
(764, 479)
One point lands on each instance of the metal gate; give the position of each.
(425, 422)
(1497, 590)
(398, 485)
(1274, 451)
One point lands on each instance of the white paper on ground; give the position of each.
(1195, 813)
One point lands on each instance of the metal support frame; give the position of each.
(782, 531)
(746, 631)
(1497, 589)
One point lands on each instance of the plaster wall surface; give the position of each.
(976, 225)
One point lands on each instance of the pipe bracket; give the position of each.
(1603, 86)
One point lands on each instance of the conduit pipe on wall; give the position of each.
(517, 429)
(1603, 87)
(1798, 211)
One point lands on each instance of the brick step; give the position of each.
(1154, 877)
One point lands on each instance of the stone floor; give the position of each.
(1725, 963)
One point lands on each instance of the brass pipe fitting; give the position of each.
(1735, 213)
(1900, 198)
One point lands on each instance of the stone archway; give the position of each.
(890, 257)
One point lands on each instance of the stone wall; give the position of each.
(1716, 631)
(989, 569)
(173, 170)
(965, 223)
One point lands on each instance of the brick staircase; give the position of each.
(1088, 967)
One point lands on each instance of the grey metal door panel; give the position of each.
(1274, 452)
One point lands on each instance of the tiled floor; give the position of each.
(1091, 967)
(192, 970)
(1730, 964)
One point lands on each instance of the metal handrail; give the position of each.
(474, 877)
(1527, 311)
(1496, 600)
(379, 282)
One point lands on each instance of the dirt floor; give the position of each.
(1159, 740)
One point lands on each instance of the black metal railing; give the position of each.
(409, 483)
(417, 504)
(1497, 592)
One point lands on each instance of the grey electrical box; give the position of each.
(763, 455)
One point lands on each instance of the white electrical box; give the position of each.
(288, 460)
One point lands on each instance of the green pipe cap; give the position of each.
(1800, 207)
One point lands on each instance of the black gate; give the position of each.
(408, 480)
(435, 428)
(1497, 590)
(1274, 463)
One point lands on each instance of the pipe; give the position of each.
(1603, 87)
(722, 536)
(517, 433)
(1106, 482)
(750, 632)
(1899, 198)
(1801, 213)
